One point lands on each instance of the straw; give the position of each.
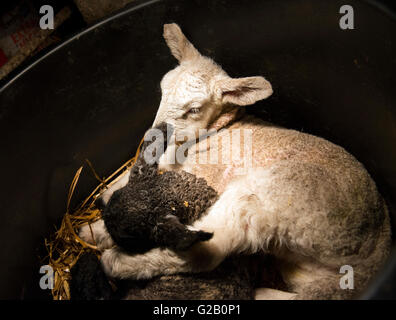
(65, 247)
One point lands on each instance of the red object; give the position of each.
(3, 58)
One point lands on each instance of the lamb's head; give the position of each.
(198, 93)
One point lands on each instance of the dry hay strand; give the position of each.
(65, 247)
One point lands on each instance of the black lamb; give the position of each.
(153, 210)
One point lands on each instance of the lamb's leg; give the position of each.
(101, 238)
(233, 221)
(203, 256)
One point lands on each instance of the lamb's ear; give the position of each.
(181, 48)
(243, 91)
(177, 236)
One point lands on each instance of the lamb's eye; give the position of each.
(194, 110)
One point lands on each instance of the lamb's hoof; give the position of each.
(85, 234)
(96, 235)
(109, 261)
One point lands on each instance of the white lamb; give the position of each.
(303, 199)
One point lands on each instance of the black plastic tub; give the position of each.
(95, 95)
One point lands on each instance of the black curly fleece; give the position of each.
(153, 209)
(143, 215)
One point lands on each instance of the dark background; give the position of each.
(93, 98)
